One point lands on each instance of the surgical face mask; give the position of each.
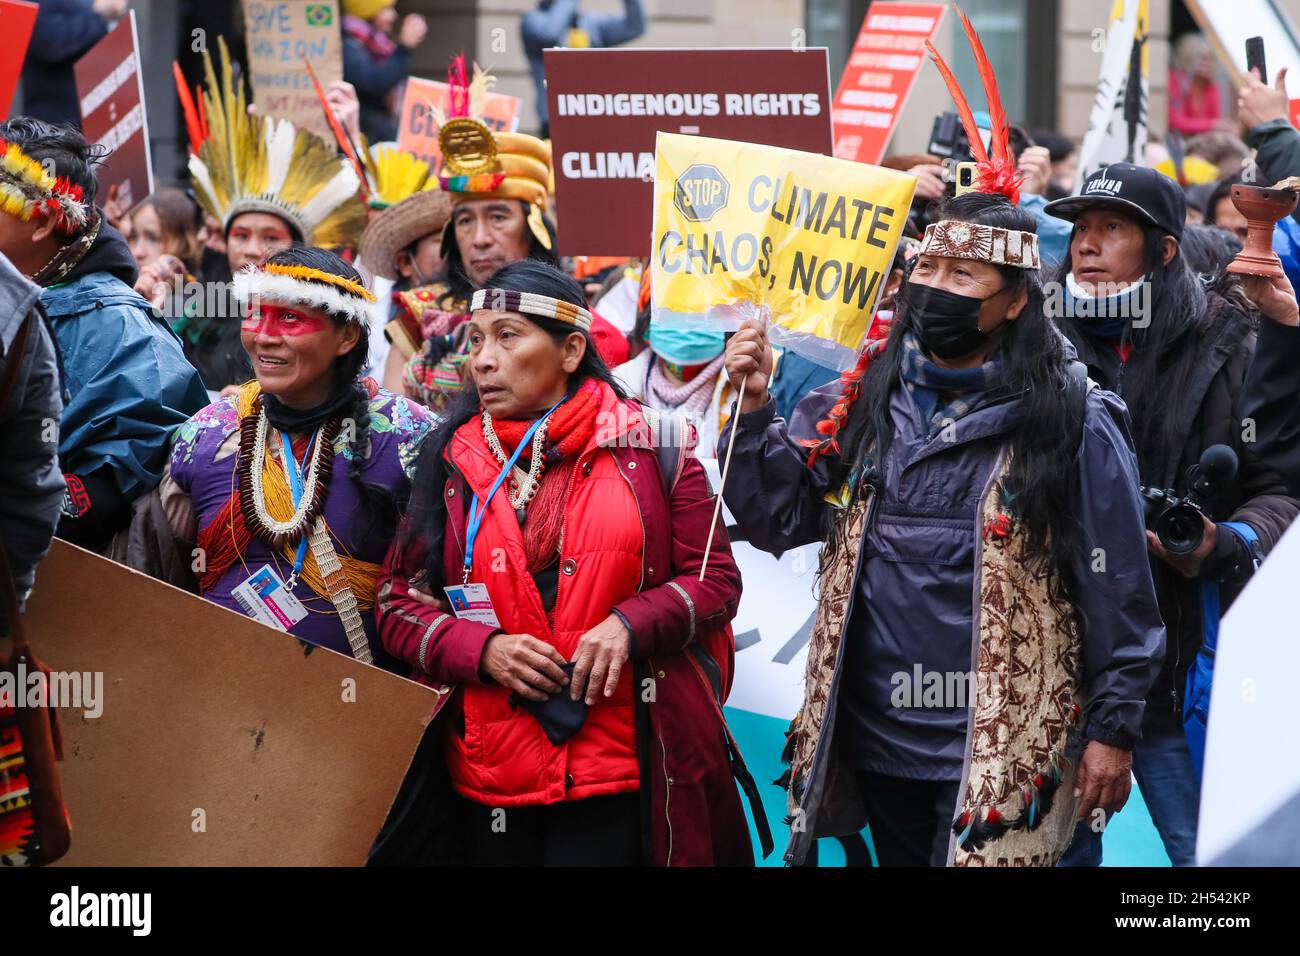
(682, 345)
(947, 323)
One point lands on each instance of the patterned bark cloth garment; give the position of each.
(1017, 806)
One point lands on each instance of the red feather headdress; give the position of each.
(997, 172)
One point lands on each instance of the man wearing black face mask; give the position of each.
(975, 670)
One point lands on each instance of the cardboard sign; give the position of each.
(218, 741)
(883, 64)
(812, 239)
(17, 20)
(280, 35)
(111, 94)
(418, 132)
(607, 105)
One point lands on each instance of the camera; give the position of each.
(949, 142)
(1177, 521)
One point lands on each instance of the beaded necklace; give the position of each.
(521, 493)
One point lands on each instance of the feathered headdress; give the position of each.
(997, 169)
(242, 164)
(479, 163)
(395, 175)
(28, 190)
(313, 288)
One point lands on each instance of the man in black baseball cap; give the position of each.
(1177, 352)
(1140, 191)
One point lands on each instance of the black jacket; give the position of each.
(1209, 413)
(64, 31)
(1277, 146)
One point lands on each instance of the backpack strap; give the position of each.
(1077, 387)
(674, 439)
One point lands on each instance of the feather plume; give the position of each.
(458, 97)
(963, 108)
(193, 126)
(340, 134)
(998, 172)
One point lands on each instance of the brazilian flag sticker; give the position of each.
(320, 15)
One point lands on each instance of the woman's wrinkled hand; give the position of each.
(599, 659)
(530, 667)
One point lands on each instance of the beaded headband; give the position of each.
(301, 285)
(971, 240)
(27, 189)
(530, 303)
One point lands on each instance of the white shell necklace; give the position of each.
(523, 491)
(300, 513)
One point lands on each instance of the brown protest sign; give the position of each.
(111, 95)
(219, 741)
(607, 105)
(281, 34)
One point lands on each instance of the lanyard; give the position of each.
(295, 485)
(475, 512)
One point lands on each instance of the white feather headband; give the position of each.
(300, 285)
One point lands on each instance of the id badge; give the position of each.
(470, 602)
(263, 597)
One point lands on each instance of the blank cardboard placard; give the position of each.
(208, 715)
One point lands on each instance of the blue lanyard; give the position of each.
(295, 485)
(475, 512)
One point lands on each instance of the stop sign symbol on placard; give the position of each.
(701, 192)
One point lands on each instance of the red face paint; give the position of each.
(276, 320)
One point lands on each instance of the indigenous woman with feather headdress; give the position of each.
(986, 609)
(271, 186)
(292, 487)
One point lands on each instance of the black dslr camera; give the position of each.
(1177, 521)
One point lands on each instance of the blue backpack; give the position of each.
(1200, 676)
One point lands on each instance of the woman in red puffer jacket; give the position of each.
(580, 716)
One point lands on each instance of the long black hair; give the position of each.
(380, 507)
(426, 518)
(1042, 482)
(1164, 357)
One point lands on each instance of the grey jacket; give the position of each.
(780, 505)
(31, 484)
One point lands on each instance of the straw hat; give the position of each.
(396, 228)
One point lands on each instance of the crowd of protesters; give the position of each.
(399, 392)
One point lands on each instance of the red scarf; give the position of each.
(568, 431)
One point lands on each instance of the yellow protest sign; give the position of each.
(809, 237)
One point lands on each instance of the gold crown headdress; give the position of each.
(241, 164)
(28, 190)
(478, 163)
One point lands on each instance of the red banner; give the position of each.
(111, 94)
(882, 67)
(608, 105)
(17, 20)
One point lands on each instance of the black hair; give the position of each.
(1162, 361)
(460, 286)
(1058, 145)
(380, 508)
(1042, 483)
(74, 158)
(426, 517)
(1222, 191)
(1208, 249)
